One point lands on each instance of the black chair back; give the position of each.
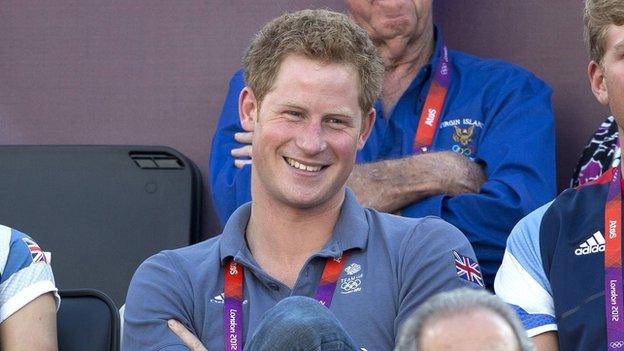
(87, 320)
(100, 210)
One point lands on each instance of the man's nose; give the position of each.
(389, 3)
(311, 139)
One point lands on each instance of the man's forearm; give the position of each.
(392, 184)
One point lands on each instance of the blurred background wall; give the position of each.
(156, 72)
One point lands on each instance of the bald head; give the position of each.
(463, 320)
(478, 329)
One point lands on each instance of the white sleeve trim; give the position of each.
(541, 329)
(517, 287)
(26, 295)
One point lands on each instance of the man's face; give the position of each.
(306, 133)
(607, 79)
(389, 19)
(478, 330)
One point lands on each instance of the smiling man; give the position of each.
(309, 102)
(466, 139)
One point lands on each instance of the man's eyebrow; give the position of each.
(290, 105)
(341, 112)
(619, 46)
(332, 112)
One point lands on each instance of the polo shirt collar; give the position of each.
(351, 231)
(426, 72)
(233, 237)
(435, 56)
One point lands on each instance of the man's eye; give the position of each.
(294, 113)
(336, 121)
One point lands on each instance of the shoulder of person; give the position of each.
(186, 258)
(591, 195)
(18, 250)
(490, 69)
(417, 232)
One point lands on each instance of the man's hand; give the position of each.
(242, 153)
(464, 175)
(390, 185)
(190, 340)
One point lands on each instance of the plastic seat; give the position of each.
(87, 320)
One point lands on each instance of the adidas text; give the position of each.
(589, 250)
(595, 243)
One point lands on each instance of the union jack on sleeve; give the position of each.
(468, 269)
(35, 251)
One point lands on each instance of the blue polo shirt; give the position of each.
(553, 269)
(394, 264)
(495, 113)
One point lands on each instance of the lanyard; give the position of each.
(613, 264)
(432, 109)
(233, 293)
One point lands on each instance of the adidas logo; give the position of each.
(221, 299)
(218, 299)
(595, 243)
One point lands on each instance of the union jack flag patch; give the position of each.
(468, 269)
(35, 251)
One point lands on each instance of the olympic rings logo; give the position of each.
(466, 151)
(616, 344)
(350, 284)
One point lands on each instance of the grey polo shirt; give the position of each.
(394, 264)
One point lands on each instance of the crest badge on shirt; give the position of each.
(467, 269)
(464, 134)
(353, 281)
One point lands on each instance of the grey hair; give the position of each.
(456, 302)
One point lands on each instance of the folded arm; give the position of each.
(158, 292)
(390, 185)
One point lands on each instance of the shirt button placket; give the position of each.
(273, 286)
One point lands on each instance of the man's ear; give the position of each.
(367, 127)
(247, 109)
(597, 81)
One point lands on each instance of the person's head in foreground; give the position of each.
(463, 320)
(312, 77)
(604, 35)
